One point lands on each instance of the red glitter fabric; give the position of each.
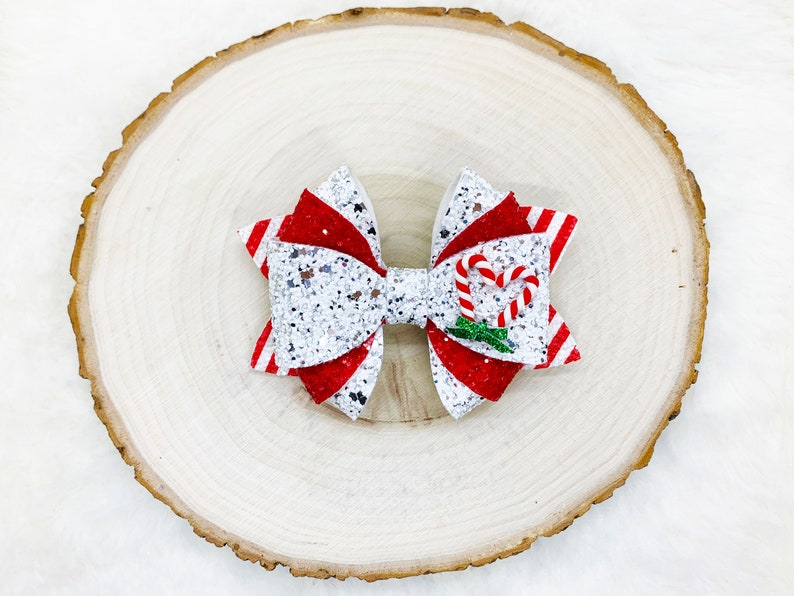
(506, 219)
(488, 377)
(325, 379)
(316, 223)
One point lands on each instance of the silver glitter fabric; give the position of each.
(324, 303)
(351, 398)
(456, 397)
(344, 192)
(528, 332)
(406, 296)
(464, 202)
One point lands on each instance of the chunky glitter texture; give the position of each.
(528, 332)
(323, 303)
(351, 398)
(456, 397)
(344, 192)
(406, 296)
(470, 198)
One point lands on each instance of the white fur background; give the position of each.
(712, 513)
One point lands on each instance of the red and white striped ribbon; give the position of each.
(257, 235)
(479, 262)
(264, 356)
(562, 346)
(558, 225)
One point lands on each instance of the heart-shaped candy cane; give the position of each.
(479, 261)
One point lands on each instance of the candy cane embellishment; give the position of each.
(479, 261)
(462, 281)
(524, 298)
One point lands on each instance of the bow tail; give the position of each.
(558, 225)
(463, 377)
(456, 397)
(256, 236)
(562, 346)
(264, 356)
(346, 382)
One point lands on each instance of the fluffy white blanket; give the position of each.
(712, 513)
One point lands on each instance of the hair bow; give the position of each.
(484, 301)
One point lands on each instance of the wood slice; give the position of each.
(167, 305)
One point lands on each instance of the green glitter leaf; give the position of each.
(493, 336)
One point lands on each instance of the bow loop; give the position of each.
(323, 302)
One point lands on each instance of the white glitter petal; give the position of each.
(344, 192)
(323, 303)
(456, 397)
(352, 397)
(529, 331)
(466, 199)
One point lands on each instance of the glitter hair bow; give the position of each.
(484, 301)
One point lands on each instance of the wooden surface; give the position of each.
(167, 305)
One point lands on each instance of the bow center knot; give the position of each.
(406, 296)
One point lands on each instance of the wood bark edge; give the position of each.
(460, 18)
